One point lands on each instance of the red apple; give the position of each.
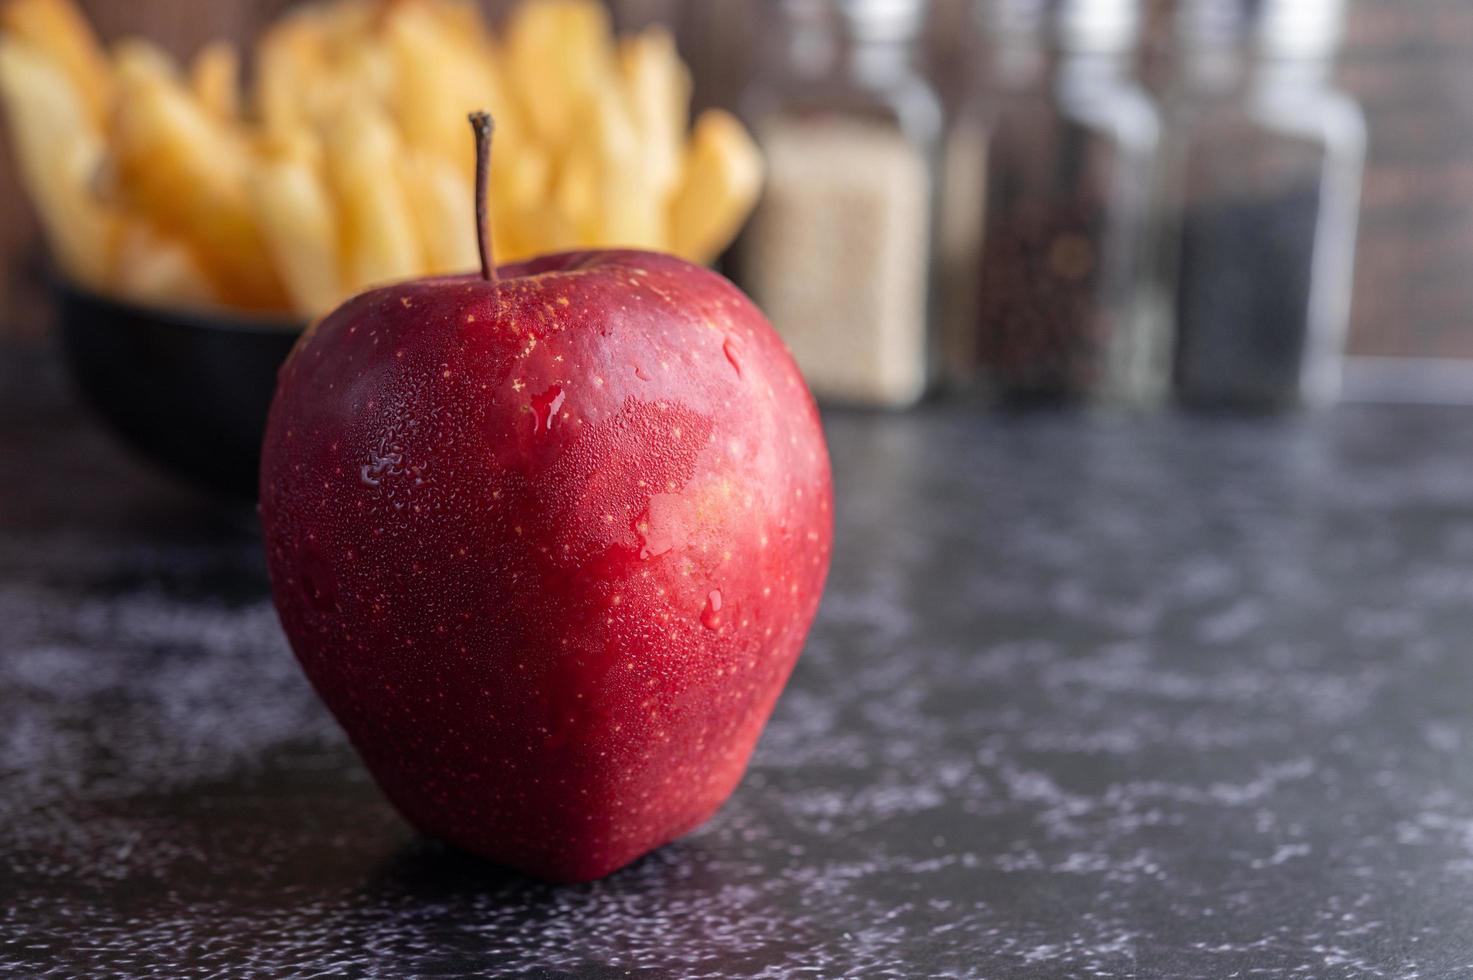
(548, 544)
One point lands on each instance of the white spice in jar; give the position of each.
(837, 256)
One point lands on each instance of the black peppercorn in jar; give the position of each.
(1070, 156)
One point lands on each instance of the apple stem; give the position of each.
(484, 126)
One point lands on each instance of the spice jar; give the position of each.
(1069, 182)
(1266, 171)
(838, 253)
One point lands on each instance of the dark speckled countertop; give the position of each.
(1087, 697)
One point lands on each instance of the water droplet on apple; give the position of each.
(641, 528)
(545, 407)
(381, 461)
(711, 615)
(656, 536)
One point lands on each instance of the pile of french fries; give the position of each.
(348, 160)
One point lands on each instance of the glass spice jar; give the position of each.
(839, 251)
(1069, 182)
(1266, 159)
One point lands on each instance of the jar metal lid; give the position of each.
(885, 18)
(1074, 25)
(865, 19)
(1280, 28)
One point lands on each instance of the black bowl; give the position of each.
(189, 390)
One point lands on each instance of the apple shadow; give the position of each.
(430, 910)
(425, 869)
(428, 870)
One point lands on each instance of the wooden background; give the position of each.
(1410, 62)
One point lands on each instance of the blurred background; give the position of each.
(1405, 63)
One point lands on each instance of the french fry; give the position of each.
(559, 55)
(299, 219)
(214, 75)
(444, 202)
(627, 209)
(364, 164)
(153, 267)
(658, 88)
(58, 29)
(187, 169)
(721, 181)
(576, 196)
(462, 19)
(354, 63)
(347, 22)
(318, 60)
(532, 231)
(135, 58)
(364, 68)
(290, 61)
(521, 176)
(438, 81)
(603, 188)
(523, 173)
(58, 152)
(447, 65)
(300, 143)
